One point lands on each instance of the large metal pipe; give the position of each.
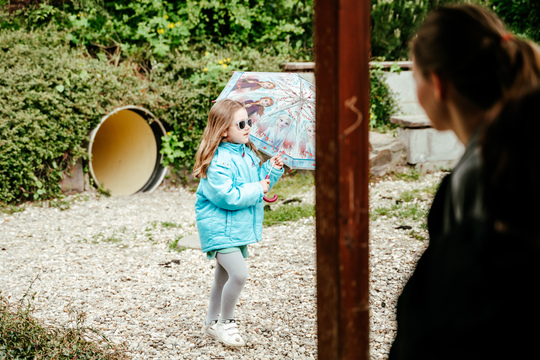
(124, 151)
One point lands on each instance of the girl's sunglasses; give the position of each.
(242, 123)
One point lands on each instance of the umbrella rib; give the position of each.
(282, 109)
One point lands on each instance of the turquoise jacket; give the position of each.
(229, 207)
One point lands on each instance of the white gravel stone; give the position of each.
(110, 259)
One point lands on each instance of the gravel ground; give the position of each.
(111, 259)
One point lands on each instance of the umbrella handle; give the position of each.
(267, 199)
(270, 200)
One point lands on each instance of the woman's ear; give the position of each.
(440, 86)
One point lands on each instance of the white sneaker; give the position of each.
(228, 333)
(210, 330)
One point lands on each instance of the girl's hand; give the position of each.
(277, 161)
(265, 185)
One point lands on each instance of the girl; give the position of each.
(466, 66)
(229, 209)
(257, 107)
(254, 84)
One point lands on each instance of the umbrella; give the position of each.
(282, 108)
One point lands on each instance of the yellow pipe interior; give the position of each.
(124, 153)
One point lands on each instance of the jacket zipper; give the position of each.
(228, 223)
(254, 214)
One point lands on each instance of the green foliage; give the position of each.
(173, 245)
(180, 47)
(152, 28)
(393, 24)
(521, 16)
(288, 188)
(11, 209)
(410, 175)
(51, 96)
(382, 102)
(288, 213)
(411, 207)
(22, 336)
(170, 225)
(294, 183)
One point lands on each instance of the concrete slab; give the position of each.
(190, 241)
(429, 145)
(404, 87)
(411, 121)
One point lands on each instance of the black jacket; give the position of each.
(473, 294)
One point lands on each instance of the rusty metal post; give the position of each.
(342, 176)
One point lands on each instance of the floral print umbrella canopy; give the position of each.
(282, 107)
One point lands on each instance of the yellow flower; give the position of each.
(171, 25)
(206, 53)
(224, 66)
(229, 59)
(205, 69)
(168, 133)
(220, 62)
(166, 16)
(178, 23)
(160, 31)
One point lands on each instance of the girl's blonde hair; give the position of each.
(219, 120)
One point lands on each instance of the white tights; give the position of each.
(229, 280)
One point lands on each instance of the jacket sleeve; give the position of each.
(274, 175)
(221, 191)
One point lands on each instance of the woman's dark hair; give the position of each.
(512, 166)
(468, 46)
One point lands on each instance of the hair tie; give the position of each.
(506, 37)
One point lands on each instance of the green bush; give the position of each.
(148, 28)
(382, 104)
(22, 336)
(51, 96)
(393, 23)
(521, 16)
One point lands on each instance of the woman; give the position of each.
(466, 66)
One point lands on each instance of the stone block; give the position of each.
(404, 87)
(429, 145)
(387, 151)
(74, 180)
(411, 121)
(379, 163)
